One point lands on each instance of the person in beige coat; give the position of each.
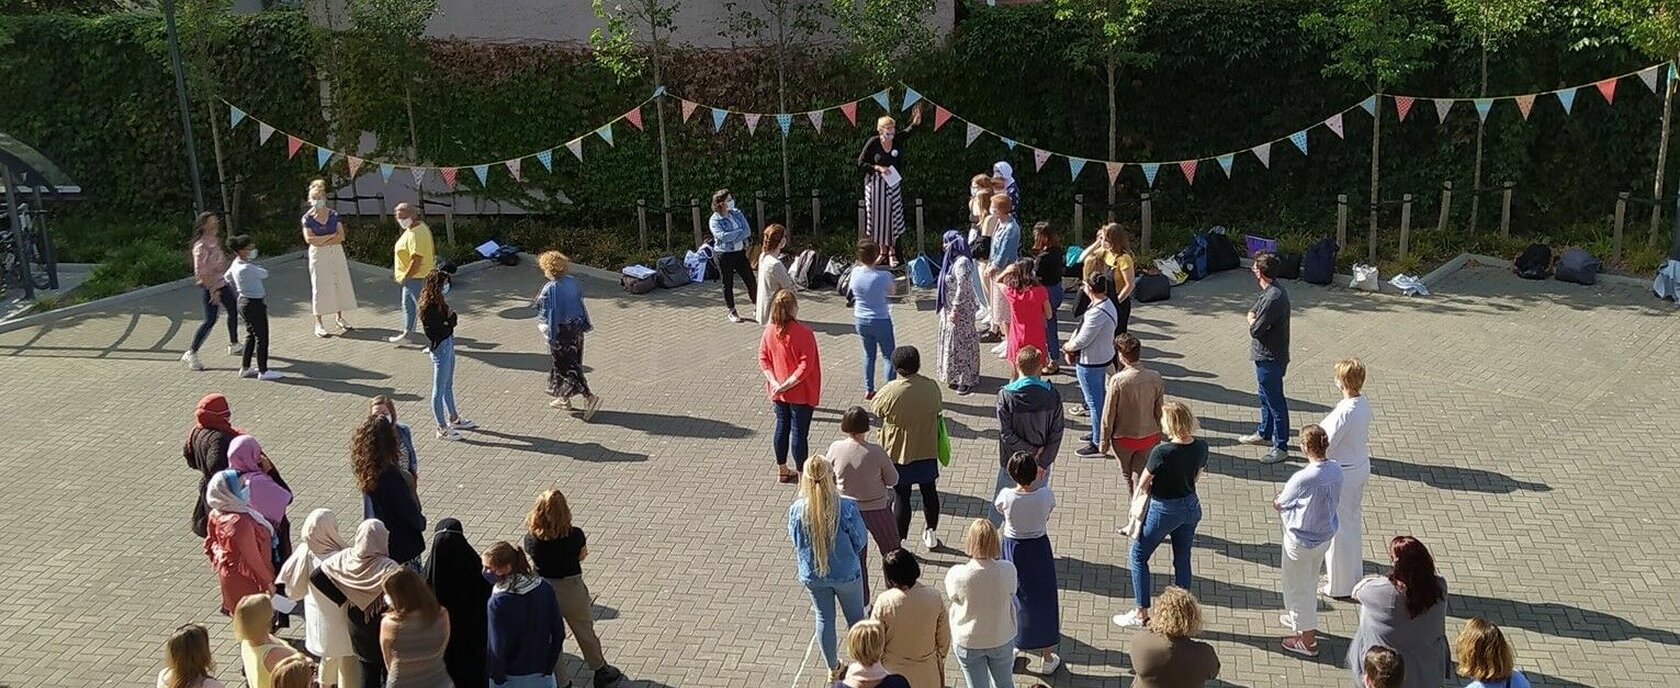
(1131, 423)
(918, 627)
(772, 274)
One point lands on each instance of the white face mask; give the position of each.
(252, 255)
(974, 191)
(729, 205)
(446, 287)
(405, 222)
(318, 203)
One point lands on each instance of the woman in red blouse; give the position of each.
(793, 377)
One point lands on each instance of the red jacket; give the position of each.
(241, 553)
(789, 353)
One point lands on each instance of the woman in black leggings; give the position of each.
(909, 411)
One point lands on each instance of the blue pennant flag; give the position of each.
(784, 121)
(1226, 161)
(659, 91)
(910, 97)
(483, 172)
(606, 133)
(1009, 142)
(1149, 170)
(322, 155)
(1370, 105)
(1299, 138)
(385, 170)
(1483, 105)
(717, 119)
(884, 99)
(234, 116)
(1075, 165)
(1567, 98)
(547, 159)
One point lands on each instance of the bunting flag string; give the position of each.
(785, 121)
(1114, 172)
(1335, 125)
(1150, 169)
(1483, 105)
(752, 124)
(688, 109)
(483, 174)
(354, 162)
(816, 119)
(1075, 165)
(448, 174)
(1607, 88)
(1567, 98)
(1039, 158)
(236, 114)
(1225, 162)
(1188, 167)
(385, 170)
(512, 167)
(1525, 104)
(1442, 106)
(634, 117)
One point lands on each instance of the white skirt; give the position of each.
(329, 280)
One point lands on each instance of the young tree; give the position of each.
(1654, 27)
(791, 25)
(204, 25)
(616, 49)
(1377, 43)
(388, 34)
(1493, 22)
(1108, 32)
(884, 32)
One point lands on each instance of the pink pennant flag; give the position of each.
(293, 143)
(1188, 167)
(1525, 103)
(448, 174)
(1039, 158)
(513, 169)
(1335, 124)
(1264, 153)
(1114, 171)
(687, 109)
(355, 164)
(1403, 106)
(1607, 88)
(940, 116)
(752, 123)
(635, 117)
(816, 119)
(419, 176)
(850, 111)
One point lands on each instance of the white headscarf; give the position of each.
(227, 495)
(321, 540)
(1003, 169)
(360, 570)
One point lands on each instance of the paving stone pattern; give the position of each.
(1525, 431)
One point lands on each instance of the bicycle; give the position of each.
(36, 252)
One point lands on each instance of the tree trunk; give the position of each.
(664, 150)
(1376, 157)
(1662, 155)
(221, 171)
(413, 132)
(1481, 126)
(781, 104)
(1113, 124)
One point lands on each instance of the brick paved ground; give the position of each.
(1525, 431)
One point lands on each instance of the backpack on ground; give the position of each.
(1072, 266)
(843, 286)
(1578, 266)
(638, 279)
(671, 273)
(1194, 257)
(923, 273)
(1319, 265)
(698, 263)
(1289, 265)
(1534, 263)
(1152, 287)
(804, 267)
(1221, 253)
(831, 273)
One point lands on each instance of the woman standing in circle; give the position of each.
(982, 592)
(268, 494)
(866, 644)
(206, 449)
(787, 353)
(564, 320)
(957, 303)
(524, 622)
(1349, 427)
(1026, 544)
(1405, 611)
(356, 575)
(209, 262)
(414, 633)
(557, 550)
(455, 573)
(259, 651)
(730, 236)
(1029, 307)
(326, 630)
(438, 320)
(1111, 256)
(388, 489)
(1048, 268)
(1485, 657)
(1169, 656)
(865, 473)
(909, 409)
(918, 627)
(883, 193)
(187, 660)
(828, 536)
(240, 542)
(1169, 478)
(772, 273)
(331, 290)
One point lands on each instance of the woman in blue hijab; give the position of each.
(959, 341)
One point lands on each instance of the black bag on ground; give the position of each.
(1578, 266)
(671, 273)
(1221, 253)
(1318, 266)
(1534, 263)
(830, 274)
(805, 268)
(1289, 265)
(506, 255)
(1152, 287)
(843, 286)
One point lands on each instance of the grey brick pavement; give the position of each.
(1526, 431)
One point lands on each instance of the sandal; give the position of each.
(787, 477)
(1294, 644)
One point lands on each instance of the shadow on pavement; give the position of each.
(589, 451)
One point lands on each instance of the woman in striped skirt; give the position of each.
(883, 194)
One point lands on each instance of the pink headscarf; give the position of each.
(267, 496)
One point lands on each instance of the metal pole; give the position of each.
(1405, 224)
(1148, 221)
(41, 235)
(921, 236)
(1446, 206)
(816, 214)
(28, 283)
(1505, 210)
(181, 97)
(641, 223)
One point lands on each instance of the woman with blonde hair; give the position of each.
(326, 629)
(1349, 428)
(331, 290)
(524, 622)
(828, 537)
(296, 671)
(557, 549)
(1484, 656)
(259, 651)
(563, 320)
(982, 592)
(866, 644)
(772, 272)
(187, 660)
(1173, 510)
(1169, 656)
(1110, 255)
(413, 634)
(787, 354)
(883, 194)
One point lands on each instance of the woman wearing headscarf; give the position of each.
(326, 630)
(206, 449)
(354, 579)
(959, 342)
(239, 541)
(455, 573)
(883, 195)
(269, 494)
(1003, 174)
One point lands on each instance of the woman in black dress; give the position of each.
(883, 196)
(454, 571)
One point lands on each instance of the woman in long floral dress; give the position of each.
(959, 341)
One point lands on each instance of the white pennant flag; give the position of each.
(816, 119)
(1264, 153)
(1649, 76)
(419, 175)
(973, 133)
(263, 132)
(752, 123)
(1442, 106)
(1335, 124)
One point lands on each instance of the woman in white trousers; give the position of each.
(1349, 427)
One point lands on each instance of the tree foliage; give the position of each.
(619, 45)
(1494, 21)
(1375, 42)
(883, 33)
(1107, 30)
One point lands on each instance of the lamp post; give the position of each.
(181, 97)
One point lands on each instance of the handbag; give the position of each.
(1135, 514)
(944, 443)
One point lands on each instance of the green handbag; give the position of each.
(944, 444)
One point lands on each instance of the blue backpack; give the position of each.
(1194, 257)
(1319, 265)
(923, 273)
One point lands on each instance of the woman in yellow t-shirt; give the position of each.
(1111, 255)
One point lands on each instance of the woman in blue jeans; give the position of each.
(1174, 510)
(828, 537)
(438, 320)
(209, 262)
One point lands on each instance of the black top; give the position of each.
(874, 154)
(453, 570)
(1175, 467)
(1049, 268)
(206, 450)
(557, 558)
(439, 323)
(395, 504)
(1271, 326)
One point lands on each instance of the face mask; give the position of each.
(387, 599)
(446, 287)
(488, 576)
(974, 191)
(730, 205)
(887, 134)
(252, 255)
(405, 223)
(318, 203)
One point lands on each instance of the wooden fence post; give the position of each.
(1405, 224)
(1505, 210)
(1148, 220)
(1079, 219)
(758, 206)
(1341, 221)
(694, 216)
(1616, 231)
(1656, 217)
(1446, 206)
(860, 212)
(920, 235)
(641, 222)
(816, 215)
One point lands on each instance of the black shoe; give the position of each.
(1086, 438)
(607, 675)
(1089, 451)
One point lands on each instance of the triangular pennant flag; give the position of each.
(1150, 169)
(973, 131)
(1566, 98)
(717, 119)
(483, 173)
(1335, 124)
(1114, 171)
(940, 117)
(448, 174)
(547, 159)
(1370, 105)
(1442, 107)
(1008, 142)
(1264, 153)
(385, 170)
(322, 155)
(883, 99)
(785, 122)
(1075, 165)
(1607, 88)
(1403, 105)
(1188, 167)
(293, 143)
(1525, 104)
(513, 169)
(816, 119)
(850, 111)
(1299, 138)
(576, 147)
(263, 132)
(911, 96)
(1039, 158)
(1226, 161)
(605, 132)
(1648, 76)
(419, 176)
(635, 117)
(1483, 105)
(355, 164)
(752, 123)
(688, 109)
(235, 114)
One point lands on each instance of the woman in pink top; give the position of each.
(268, 493)
(1029, 307)
(787, 353)
(209, 262)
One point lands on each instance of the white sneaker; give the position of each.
(999, 348)
(235, 349)
(463, 424)
(734, 317)
(590, 404)
(1254, 439)
(1129, 619)
(1050, 665)
(449, 434)
(560, 403)
(247, 372)
(321, 331)
(191, 359)
(399, 338)
(929, 540)
(269, 375)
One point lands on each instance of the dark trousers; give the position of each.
(731, 265)
(793, 426)
(255, 313)
(215, 302)
(930, 506)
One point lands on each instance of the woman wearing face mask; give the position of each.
(438, 321)
(524, 622)
(329, 272)
(883, 195)
(730, 236)
(772, 273)
(209, 262)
